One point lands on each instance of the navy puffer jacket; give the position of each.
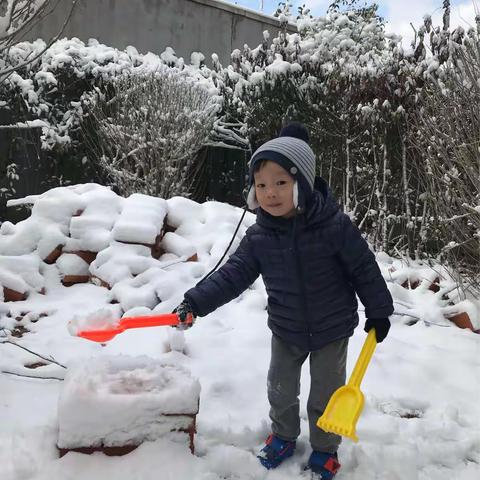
(312, 266)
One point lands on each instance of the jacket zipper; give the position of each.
(301, 282)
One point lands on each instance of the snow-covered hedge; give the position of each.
(56, 88)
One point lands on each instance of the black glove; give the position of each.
(381, 326)
(183, 311)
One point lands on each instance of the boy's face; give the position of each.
(274, 190)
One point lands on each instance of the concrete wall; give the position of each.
(206, 26)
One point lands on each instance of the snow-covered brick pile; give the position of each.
(18, 276)
(121, 401)
(141, 220)
(90, 229)
(135, 239)
(73, 269)
(428, 293)
(145, 250)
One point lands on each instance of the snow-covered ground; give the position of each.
(421, 419)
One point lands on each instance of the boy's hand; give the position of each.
(381, 326)
(183, 311)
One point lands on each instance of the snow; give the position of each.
(23, 269)
(120, 400)
(280, 67)
(421, 415)
(176, 244)
(97, 320)
(13, 281)
(141, 219)
(71, 264)
(31, 124)
(120, 261)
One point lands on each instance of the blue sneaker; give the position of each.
(323, 464)
(275, 451)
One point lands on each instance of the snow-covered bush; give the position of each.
(56, 87)
(448, 156)
(340, 75)
(357, 91)
(16, 18)
(149, 132)
(46, 100)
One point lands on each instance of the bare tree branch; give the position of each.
(48, 359)
(30, 376)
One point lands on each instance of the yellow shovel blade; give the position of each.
(342, 412)
(346, 404)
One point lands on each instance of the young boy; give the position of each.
(313, 261)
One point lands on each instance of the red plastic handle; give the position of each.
(149, 321)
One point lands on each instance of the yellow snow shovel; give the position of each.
(346, 404)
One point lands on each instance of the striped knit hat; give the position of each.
(292, 152)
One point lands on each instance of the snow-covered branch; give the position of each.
(150, 135)
(18, 18)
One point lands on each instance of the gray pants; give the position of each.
(327, 373)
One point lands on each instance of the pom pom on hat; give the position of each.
(296, 130)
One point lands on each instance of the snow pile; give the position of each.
(426, 292)
(141, 220)
(91, 230)
(71, 264)
(102, 318)
(46, 228)
(120, 261)
(90, 234)
(21, 273)
(129, 252)
(120, 400)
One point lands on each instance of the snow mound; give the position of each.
(141, 220)
(145, 251)
(121, 400)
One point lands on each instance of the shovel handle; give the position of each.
(149, 321)
(363, 359)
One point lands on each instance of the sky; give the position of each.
(421, 415)
(399, 14)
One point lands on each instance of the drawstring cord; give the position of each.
(227, 249)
